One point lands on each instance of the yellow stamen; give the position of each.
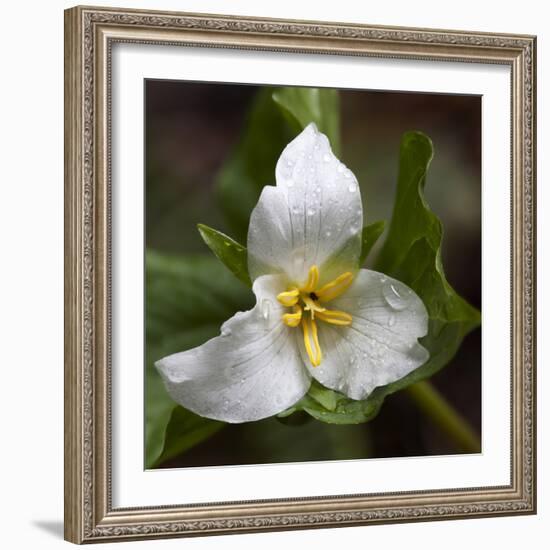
(289, 298)
(311, 305)
(312, 279)
(335, 288)
(293, 319)
(335, 317)
(309, 299)
(315, 356)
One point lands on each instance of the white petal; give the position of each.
(251, 371)
(381, 344)
(313, 216)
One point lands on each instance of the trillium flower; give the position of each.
(316, 314)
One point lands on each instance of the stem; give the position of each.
(445, 416)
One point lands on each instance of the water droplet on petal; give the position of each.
(295, 210)
(266, 308)
(328, 233)
(340, 168)
(310, 211)
(391, 320)
(347, 174)
(226, 331)
(397, 295)
(290, 182)
(326, 158)
(352, 187)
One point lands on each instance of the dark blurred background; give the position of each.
(191, 128)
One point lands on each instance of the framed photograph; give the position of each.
(300, 274)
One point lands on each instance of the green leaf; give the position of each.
(158, 409)
(251, 165)
(232, 254)
(276, 117)
(185, 430)
(412, 254)
(332, 407)
(371, 233)
(341, 409)
(320, 105)
(187, 300)
(328, 399)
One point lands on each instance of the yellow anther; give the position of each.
(335, 288)
(311, 305)
(312, 280)
(289, 298)
(313, 352)
(293, 319)
(308, 299)
(335, 317)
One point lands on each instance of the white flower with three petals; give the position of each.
(316, 314)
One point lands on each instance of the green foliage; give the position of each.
(187, 300)
(302, 106)
(332, 407)
(185, 430)
(371, 233)
(412, 254)
(276, 117)
(232, 254)
(251, 165)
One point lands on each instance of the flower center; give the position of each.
(306, 301)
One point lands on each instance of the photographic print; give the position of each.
(300, 274)
(313, 274)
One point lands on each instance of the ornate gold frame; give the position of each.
(89, 34)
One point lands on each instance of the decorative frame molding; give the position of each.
(89, 35)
